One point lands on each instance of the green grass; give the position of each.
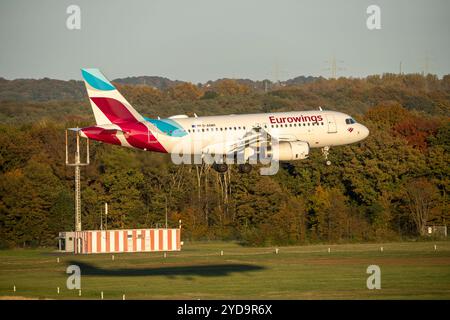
(408, 271)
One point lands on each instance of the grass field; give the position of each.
(412, 270)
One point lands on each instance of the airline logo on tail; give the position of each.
(108, 104)
(117, 121)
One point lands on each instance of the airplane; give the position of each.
(288, 135)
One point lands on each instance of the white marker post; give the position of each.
(123, 297)
(57, 260)
(165, 255)
(112, 257)
(435, 247)
(101, 294)
(276, 251)
(329, 250)
(79, 293)
(221, 252)
(57, 290)
(381, 249)
(14, 289)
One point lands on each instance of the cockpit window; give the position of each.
(350, 121)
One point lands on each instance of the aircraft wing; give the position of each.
(250, 139)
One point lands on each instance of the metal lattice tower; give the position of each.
(334, 68)
(77, 164)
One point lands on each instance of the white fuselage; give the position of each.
(318, 128)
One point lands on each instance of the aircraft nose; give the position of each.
(364, 132)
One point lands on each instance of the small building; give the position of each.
(66, 241)
(117, 241)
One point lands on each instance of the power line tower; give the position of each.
(77, 164)
(426, 65)
(334, 68)
(278, 72)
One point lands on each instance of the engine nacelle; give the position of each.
(291, 151)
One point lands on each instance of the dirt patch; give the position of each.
(16, 298)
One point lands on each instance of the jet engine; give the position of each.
(296, 150)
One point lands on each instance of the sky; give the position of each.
(201, 40)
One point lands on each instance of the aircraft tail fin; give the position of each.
(108, 105)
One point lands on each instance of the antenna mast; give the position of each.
(77, 164)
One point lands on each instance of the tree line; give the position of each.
(388, 187)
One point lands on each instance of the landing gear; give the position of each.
(325, 152)
(220, 167)
(245, 168)
(223, 167)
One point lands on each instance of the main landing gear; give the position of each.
(223, 167)
(325, 152)
(245, 168)
(220, 167)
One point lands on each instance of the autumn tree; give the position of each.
(229, 87)
(421, 198)
(185, 92)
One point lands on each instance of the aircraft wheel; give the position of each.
(220, 167)
(245, 168)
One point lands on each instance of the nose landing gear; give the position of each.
(325, 152)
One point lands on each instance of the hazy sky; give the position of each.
(201, 40)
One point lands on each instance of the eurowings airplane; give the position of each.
(293, 133)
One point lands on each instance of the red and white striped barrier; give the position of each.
(132, 240)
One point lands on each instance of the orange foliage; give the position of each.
(387, 114)
(229, 87)
(416, 131)
(140, 94)
(185, 91)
